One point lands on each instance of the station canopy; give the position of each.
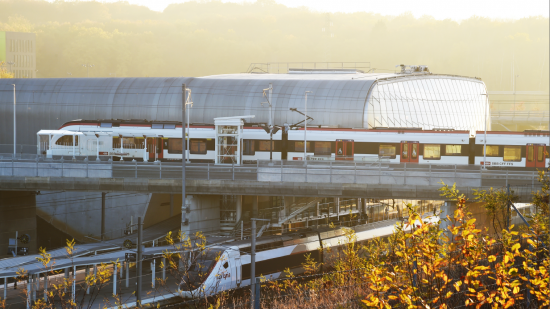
(345, 99)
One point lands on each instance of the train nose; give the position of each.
(184, 294)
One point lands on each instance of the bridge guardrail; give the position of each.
(270, 171)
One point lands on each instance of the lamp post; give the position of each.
(184, 221)
(188, 105)
(14, 124)
(88, 66)
(305, 126)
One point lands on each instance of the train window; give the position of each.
(174, 145)
(492, 151)
(299, 146)
(512, 153)
(198, 146)
(106, 125)
(169, 126)
(264, 145)
(127, 142)
(405, 151)
(386, 151)
(530, 153)
(248, 147)
(453, 150)
(540, 156)
(67, 140)
(432, 152)
(157, 126)
(322, 149)
(132, 142)
(414, 152)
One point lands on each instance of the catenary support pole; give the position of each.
(127, 273)
(163, 268)
(153, 274)
(73, 294)
(485, 138)
(103, 215)
(270, 124)
(183, 206)
(253, 264)
(115, 270)
(139, 262)
(14, 125)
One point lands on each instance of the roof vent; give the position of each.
(409, 69)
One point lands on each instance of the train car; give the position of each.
(149, 141)
(152, 141)
(512, 149)
(227, 267)
(414, 146)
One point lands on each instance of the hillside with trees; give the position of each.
(211, 37)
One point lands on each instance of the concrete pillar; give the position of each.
(204, 214)
(239, 207)
(5, 288)
(254, 206)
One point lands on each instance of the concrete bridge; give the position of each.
(267, 178)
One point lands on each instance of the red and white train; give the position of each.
(145, 140)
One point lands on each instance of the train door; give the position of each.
(160, 147)
(344, 149)
(536, 156)
(409, 152)
(152, 146)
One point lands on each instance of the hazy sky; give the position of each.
(440, 9)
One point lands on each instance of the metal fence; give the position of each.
(32, 165)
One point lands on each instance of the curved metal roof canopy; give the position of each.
(337, 99)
